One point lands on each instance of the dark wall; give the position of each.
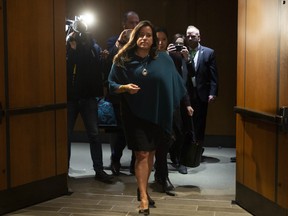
(217, 21)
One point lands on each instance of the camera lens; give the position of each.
(178, 48)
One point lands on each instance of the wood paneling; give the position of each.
(262, 82)
(257, 88)
(3, 171)
(261, 55)
(32, 147)
(31, 54)
(60, 52)
(282, 184)
(259, 153)
(215, 27)
(60, 88)
(36, 134)
(260, 94)
(37, 78)
(61, 142)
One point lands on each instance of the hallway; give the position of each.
(207, 190)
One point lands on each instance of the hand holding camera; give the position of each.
(176, 47)
(179, 48)
(171, 48)
(123, 38)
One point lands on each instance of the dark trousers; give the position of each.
(88, 109)
(160, 165)
(178, 133)
(199, 117)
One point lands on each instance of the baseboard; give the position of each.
(22, 196)
(255, 203)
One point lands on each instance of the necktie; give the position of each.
(193, 53)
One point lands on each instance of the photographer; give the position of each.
(84, 84)
(178, 47)
(180, 55)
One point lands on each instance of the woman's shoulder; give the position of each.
(164, 56)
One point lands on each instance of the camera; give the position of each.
(178, 47)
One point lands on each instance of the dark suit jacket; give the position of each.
(87, 81)
(206, 73)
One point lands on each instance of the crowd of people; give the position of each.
(159, 91)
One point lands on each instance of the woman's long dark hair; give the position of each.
(124, 55)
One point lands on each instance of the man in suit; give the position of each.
(204, 80)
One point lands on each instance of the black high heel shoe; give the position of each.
(150, 200)
(144, 211)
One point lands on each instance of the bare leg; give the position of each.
(143, 167)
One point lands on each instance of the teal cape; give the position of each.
(161, 89)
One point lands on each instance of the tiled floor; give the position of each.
(207, 190)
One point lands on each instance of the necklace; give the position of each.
(145, 71)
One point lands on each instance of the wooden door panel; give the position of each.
(61, 142)
(283, 64)
(282, 171)
(60, 88)
(260, 89)
(37, 78)
(3, 171)
(261, 59)
(60, 53)
(32, 147)
(31, 53)
(34, 151)
(259, 157)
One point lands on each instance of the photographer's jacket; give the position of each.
(84, 69)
